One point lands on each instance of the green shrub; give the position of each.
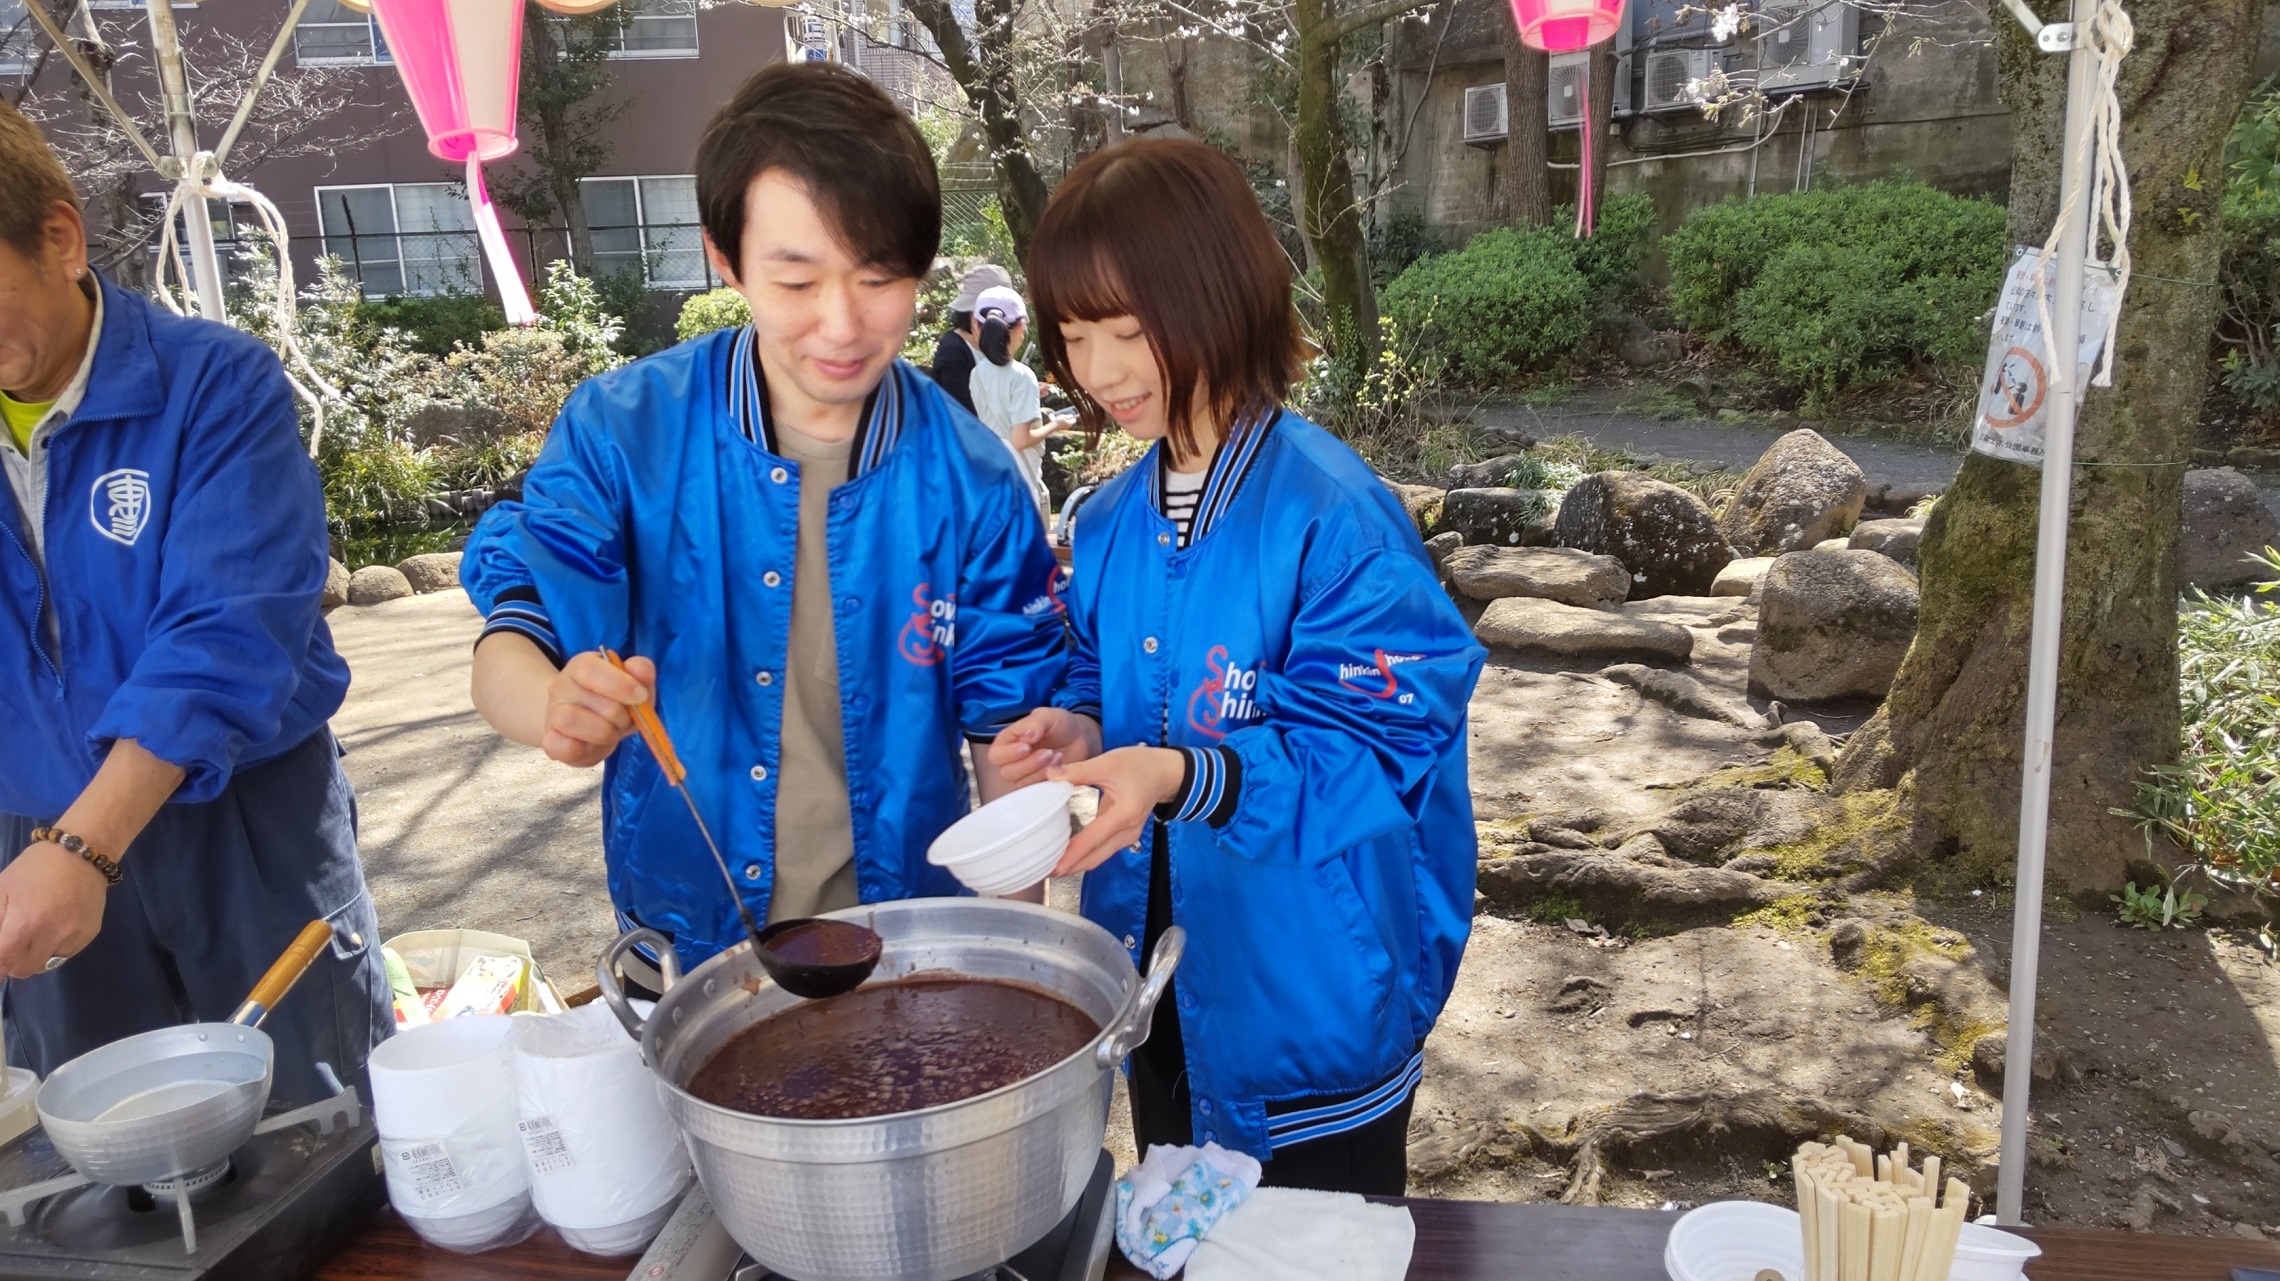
(720, 309)
(1506, 303)
(1843, 286)
(2248, 322)
(438, 324)
(1613, 255)
(1402, 240)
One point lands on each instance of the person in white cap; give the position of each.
(1005, 389)
(954, 352)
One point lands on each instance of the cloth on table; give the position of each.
(1166, 1204)
(1285, 1234)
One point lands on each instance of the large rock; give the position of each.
(2224, 525)
(1491, 474)
(433, 572)
(1552, 573)
(375, 584)
(336, 587)
(1422, 502)
(1740, 577)
(1662, 534)
(1802, 491)
(1546, 627)
(1895, 538)
(1832, 625)
(1499, 517)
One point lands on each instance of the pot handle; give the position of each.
(612, 983)
(1131, 1025)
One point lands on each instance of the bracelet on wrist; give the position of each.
(95, 858)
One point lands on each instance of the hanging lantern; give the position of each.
(576, 8)
(462, 62)
(1566, 26)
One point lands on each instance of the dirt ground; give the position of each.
(1641, 1065)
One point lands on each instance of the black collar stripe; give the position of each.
(1230, 466)
(881, 424)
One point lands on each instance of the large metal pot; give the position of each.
(918, 1196)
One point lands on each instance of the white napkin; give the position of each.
(1284, 1234)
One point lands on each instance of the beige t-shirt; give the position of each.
(815, 837)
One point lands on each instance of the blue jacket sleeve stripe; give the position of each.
(1321, 1123)
(538, 633)
(1209, 787)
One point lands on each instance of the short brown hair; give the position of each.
(863, 162)
(32, 180)
(1167, 231)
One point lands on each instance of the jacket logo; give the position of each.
(1376, 677)
(1226, 700)
(119, 505)
(931, 631)
(1050, 603)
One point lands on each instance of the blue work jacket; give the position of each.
(1302, 652)
(659, 520)
(185, 550)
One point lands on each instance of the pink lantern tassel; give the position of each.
(512, 296)
(1584, 213)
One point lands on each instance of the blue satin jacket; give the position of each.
(185, 544)
(659, 520)
(1303, 654)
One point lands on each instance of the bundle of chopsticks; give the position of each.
(1873, 1218)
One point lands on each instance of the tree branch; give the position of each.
(1371, 15)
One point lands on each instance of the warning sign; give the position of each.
(2014, 394)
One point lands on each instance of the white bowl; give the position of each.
(1986, 1254)
(1009, 844)
(1734, 1241)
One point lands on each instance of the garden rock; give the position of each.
(1832, 625)
(2224, 525)
(1439, 546)
(1422, 502)
(1895, 538)
(1547, 627)
(1499, 517)
(336, 587)
(1833, 545)
(1802, 491)
(1740, 577)
(375, 584)
(1683, 694)
(1552, 573)
(1615, 888)
(1664, 535)
(1493, 474)
(1639, 344)
(433, 572)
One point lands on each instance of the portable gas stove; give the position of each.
(277, 1208)
(694, 1247)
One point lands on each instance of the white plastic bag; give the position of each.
(606, 1162)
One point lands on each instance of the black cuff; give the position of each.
(1211, 784)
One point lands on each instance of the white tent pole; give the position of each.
(2070, 265)
(174, 86)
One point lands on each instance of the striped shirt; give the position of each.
(1183, 490)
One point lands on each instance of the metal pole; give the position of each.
(198, 227)
(2070, 264)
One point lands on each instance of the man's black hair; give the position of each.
(860, 158)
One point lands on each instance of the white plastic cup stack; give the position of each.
(1733, 1241)
(1009, 844)
(607, 1165)
(443, 1099)
(1990, 1254)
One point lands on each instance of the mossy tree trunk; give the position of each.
(1527, 182)
(984, 69)
(1956, 713)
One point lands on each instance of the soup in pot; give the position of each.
(892, 1047)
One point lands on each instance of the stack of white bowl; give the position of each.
(607, 1165)
(1735, 1240)
(1009, 844)
(443, 1098)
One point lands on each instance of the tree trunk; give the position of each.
(1956, 714)
(1330, 218)
(551, 113)
(1527, 181)
(1602, 109)
(986, 75)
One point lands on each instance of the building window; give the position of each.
(409, 238)
(18, 39)
(652, 29)
(647, 225)
(332, 34)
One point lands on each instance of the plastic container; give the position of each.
(437, 959)
(1734, 1241)
(443, 1099)
(1989, 1254)
(606, 1163)
(18, 1110)
(1009, 844)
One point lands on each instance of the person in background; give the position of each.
(172, 807)
(954, 352)
(1268, 686)
(1005, 388)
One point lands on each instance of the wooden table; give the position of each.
(1456, 1241)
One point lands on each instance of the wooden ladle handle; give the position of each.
(313, 938)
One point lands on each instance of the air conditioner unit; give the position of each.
(1564, 89)
(1485, 115)
(1674, 77)
(1806, 44)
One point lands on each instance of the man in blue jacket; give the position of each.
(172, 809)
(829, 575)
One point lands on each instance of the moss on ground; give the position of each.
(1853, 821)
(1788, 768)
(1791, 914)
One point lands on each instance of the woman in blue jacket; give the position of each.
(1268, 686)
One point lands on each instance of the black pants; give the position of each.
(1372, 1159)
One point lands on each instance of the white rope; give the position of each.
(2110, 36)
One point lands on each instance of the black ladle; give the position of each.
(808, 956)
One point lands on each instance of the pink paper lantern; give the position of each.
(1566, 26)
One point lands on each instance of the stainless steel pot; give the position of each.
(918, 1196)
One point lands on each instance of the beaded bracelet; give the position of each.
(95, 858)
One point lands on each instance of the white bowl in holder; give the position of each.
(443, 1099)
(1989, 1254)
(1009, 844)
(1734, 1241)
